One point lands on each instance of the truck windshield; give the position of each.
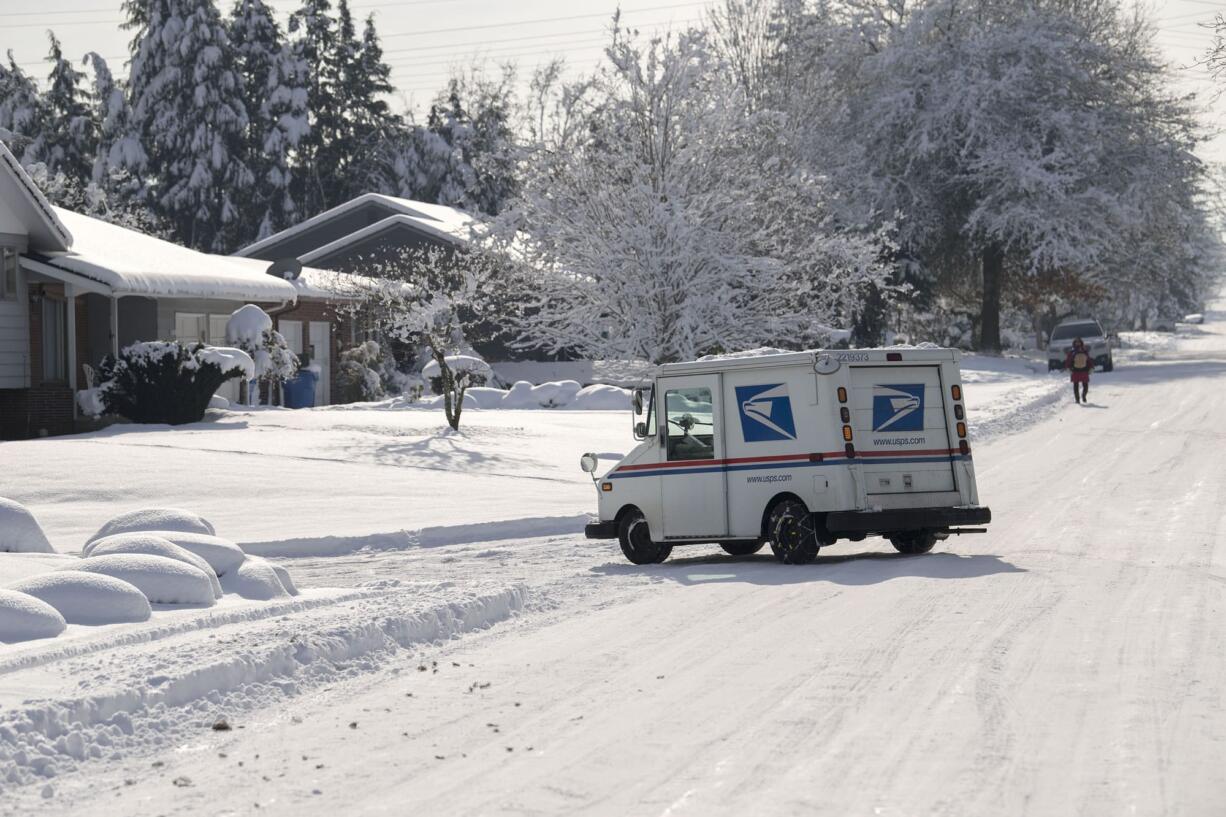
(1085, 329)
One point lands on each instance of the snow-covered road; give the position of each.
(1072, 661)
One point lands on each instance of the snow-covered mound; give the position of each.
(152, 544)
(284, 576)
(221, 554)
(255, 579)
(23, 617)
(154, 519)
(20, 531)
(546, 395)
(87, 598)
(247, 325)
(162, 580)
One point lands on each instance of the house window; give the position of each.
(8, 274)
(55, 320)
(191, 327)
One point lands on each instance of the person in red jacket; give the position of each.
(1079, 363)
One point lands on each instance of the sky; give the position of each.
(426, 40)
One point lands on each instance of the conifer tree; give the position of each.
(21, 113)
(72, 137)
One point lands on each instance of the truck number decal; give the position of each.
(851, 357)
(766, 413)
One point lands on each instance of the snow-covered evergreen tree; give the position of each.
(315, 44)
(72, 131)
(22, 113)
(121, 157)
(187, 102)
(273, 81)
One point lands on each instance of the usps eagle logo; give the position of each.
(898, 407)
(766, 413)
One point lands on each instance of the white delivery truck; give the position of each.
(796, 450)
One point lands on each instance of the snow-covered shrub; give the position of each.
(162, 580)
(283, 575)
(87, 598)
(153, 519)
(20, 531)
(221, 554)
(471, 368)
(167, 381)
(151, 544)
(255, 579)
(250, 329)
(358, 373)
(23, 618)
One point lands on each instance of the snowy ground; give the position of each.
(1069, 662)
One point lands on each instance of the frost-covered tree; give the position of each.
(187, 102)
(1025, 136)
(273, 81)
(680, 225)
(120, 160)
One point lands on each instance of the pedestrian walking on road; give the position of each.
(1079, 363)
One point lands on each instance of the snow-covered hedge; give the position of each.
(564, 394)
(164, 381)
(87, 598)
(162, 580)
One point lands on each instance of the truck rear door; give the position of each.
(902, 437)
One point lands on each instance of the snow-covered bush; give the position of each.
(150, 544)
(20, 531)
(255, 579)
(358, 373)
(87, 598)
(250, 329)
(153, 519)
(221, 554)
(23, 618)
(470, 367)
(162, 580)
(167, 381)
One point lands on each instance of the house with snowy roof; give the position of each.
(74, 289)
(371, 228)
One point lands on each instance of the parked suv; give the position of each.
(1088, 330)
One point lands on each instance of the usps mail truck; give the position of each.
(795, 450)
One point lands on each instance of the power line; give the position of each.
(543, 20)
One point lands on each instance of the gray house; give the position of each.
(370, 228)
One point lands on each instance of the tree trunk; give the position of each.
(989, 326)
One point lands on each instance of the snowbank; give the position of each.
(221, 554)
(150, 544)
(255, 579)
(153, 519)
(162, 580)
(563, 394)
(88, 598)
(20, 531)
(23, 618)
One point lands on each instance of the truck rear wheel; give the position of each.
(635, 539)
(913, 542)
(792, 532)
(741, 548)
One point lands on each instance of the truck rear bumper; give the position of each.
(600, 530)
(905, 519)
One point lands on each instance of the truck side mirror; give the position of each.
(637, 401)
(588, 462)
(640, 430)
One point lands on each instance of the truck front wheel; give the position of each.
(792, 532)
(635, 539)
(913, 542)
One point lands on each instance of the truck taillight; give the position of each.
(961, 429)
(893, 355)
(842, 395)
(845, 415)
(958, 412)
(956, 391)
(964, 447)
(847, 433)
(850, 450)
